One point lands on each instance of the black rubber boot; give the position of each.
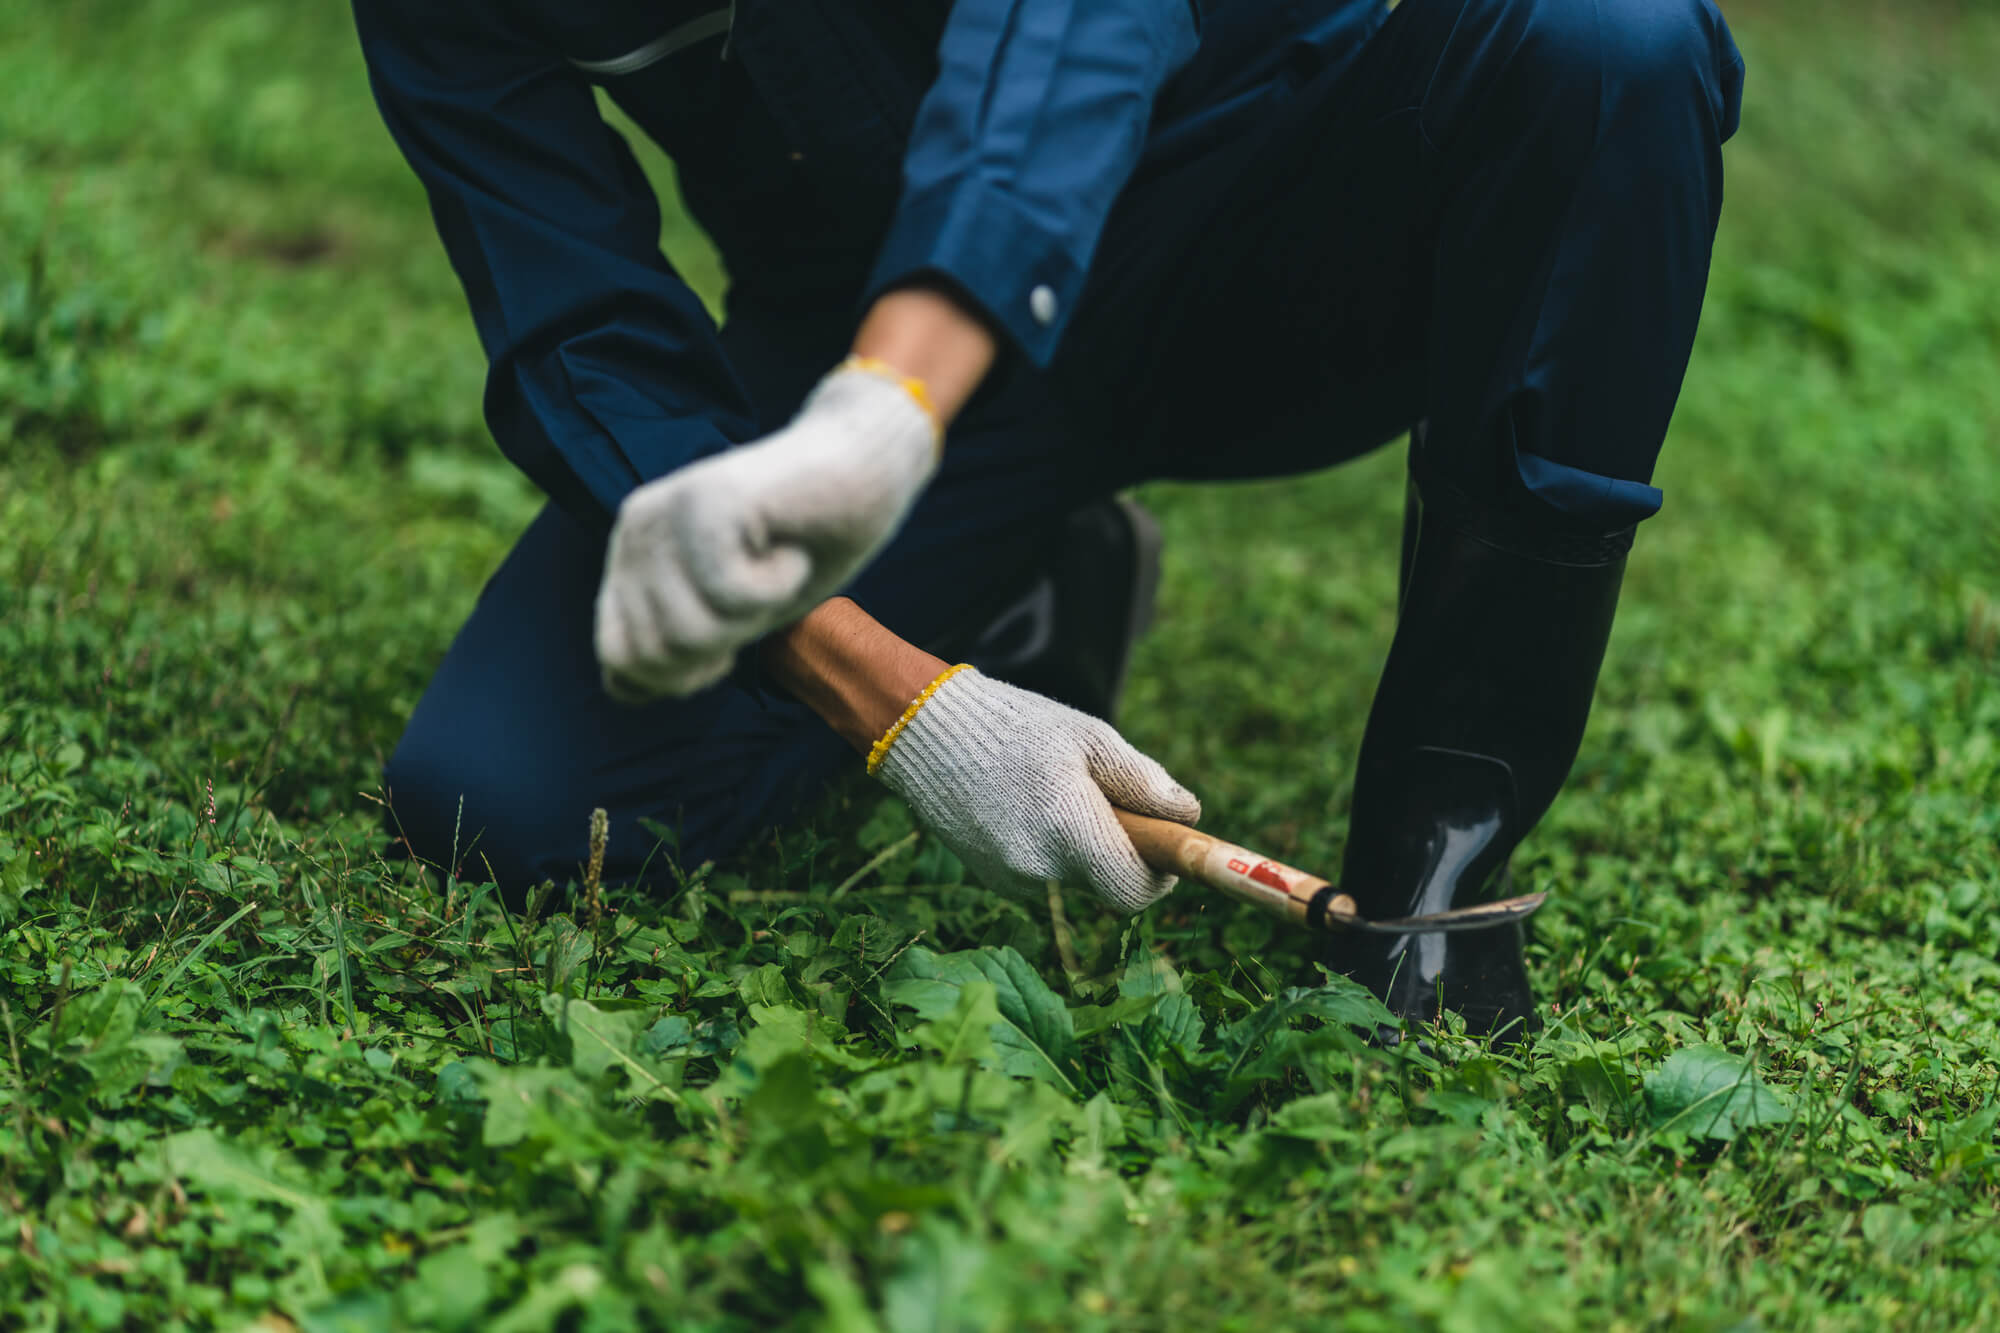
(1475, 724)
(1068, 631)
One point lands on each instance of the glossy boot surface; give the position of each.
(1475, 724)
(1068, 628)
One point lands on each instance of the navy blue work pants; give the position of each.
(1493, 214)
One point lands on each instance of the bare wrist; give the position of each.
(850, 669)
(927, 334)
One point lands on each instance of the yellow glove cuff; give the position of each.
(920, 393)
(880, 750)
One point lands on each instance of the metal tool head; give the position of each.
(1480, 916)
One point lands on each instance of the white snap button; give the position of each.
(1042, 305)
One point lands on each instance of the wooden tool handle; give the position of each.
(1273, 886)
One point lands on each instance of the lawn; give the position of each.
(255, 1074)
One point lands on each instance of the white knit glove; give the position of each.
(1021, 788)
(723, 551)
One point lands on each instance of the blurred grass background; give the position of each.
(247, 497)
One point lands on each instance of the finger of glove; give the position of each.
(1134, 780)
(996, 875)
(992, 858)
(616, 641)
(835, 549)
(1105, 857)
(683, 684)
(746, 576)
(675, 677)
(654, 637)
(683, 674)
(625, 690)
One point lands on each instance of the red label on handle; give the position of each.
(1268, 874)
(1263, 873)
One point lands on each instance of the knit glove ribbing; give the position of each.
(727, 549)
(1021, 788)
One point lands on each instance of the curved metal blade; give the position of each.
(1480, 916)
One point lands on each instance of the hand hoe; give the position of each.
(1297, 897)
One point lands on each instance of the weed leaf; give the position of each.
(1034, 1037)
(1090, 1019)
(100, 1031)
(1709, 1093)
(602, 1038)
(1175, 1022)
(206, 1161)
(966, 1033)
(595, 1036)
(1968, 1144)
(458, 1087)
(766, 985)
(780, 1030)
(514, 1099)
(1891, 1231)
(668, 1037)
(1326, 1117)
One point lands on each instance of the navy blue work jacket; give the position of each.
(831, 148)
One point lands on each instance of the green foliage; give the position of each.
(257, 1073)
(1711, 1093)
(1030, 1035)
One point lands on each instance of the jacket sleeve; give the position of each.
(604, 368)
(1034, 125)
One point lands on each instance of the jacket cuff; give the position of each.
(978, 235)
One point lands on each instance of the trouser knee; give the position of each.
(445, 811)
(518, 814)
(1571, 73)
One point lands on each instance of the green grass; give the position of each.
(252, 1073)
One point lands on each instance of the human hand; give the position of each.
(721, 552)
(1022, 788)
